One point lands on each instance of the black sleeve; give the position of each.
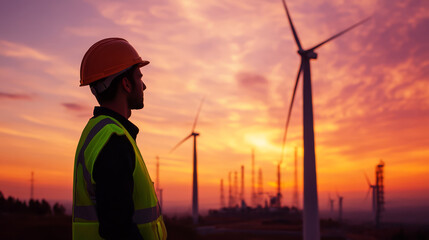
(113, 176)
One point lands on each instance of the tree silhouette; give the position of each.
(36, 207)
(59, 209)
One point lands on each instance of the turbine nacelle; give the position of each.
(310, 54)
(195, 134)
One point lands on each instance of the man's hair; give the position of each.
(111, 91)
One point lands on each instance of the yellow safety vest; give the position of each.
(147, 214)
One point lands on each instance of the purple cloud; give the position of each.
(255, 85)
(75, 107)
(14, 96)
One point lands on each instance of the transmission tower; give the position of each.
(222, 196)
(242, 184)
(230, 203)
(279, 194)
(157, 189)
(253, 179)
(157, 175)
(379, 176)
(235, 188)
(32, 186)
(260, 188)
(160, 198)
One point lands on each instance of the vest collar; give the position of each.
(132, 129)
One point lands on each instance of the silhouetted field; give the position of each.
(273, 228)
(25, 226)
(22, 226)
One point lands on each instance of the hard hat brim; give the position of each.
(143, 63)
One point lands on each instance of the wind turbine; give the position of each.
(194, 176)
(331, 203)
(374, 192)
(340, 207)
(311, 228)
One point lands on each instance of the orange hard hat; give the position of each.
(107, 57)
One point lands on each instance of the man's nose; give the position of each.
(144, 86)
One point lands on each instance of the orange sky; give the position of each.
(370, 93)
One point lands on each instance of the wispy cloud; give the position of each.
(15, 96)
(253, 85)
(75, 107)
(16, 50)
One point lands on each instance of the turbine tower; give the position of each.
(311, 227)
(373, 189)
(340, 207)
(194, 175)
(331, 204)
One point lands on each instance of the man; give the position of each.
(113, 194)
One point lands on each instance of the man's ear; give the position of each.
(126, 84)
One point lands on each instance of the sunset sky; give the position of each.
(370, 93)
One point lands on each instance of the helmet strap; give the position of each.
(101, 85)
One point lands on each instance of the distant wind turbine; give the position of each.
(331, 203)
(311, 228)
(372, 188)
(194, 176)
(340, 207)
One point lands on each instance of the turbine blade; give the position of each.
(339, 34)
(180, 143)
(367, 180)
(367, 194)
(290, 111)
(329, 199)
(198, 113)
(295, 35)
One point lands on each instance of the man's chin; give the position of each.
(137, 106)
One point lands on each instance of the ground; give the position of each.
(16, 227)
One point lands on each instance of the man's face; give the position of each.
(136, 98)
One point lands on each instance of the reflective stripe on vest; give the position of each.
(141, 216)
(89, 213)
(81, 156)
